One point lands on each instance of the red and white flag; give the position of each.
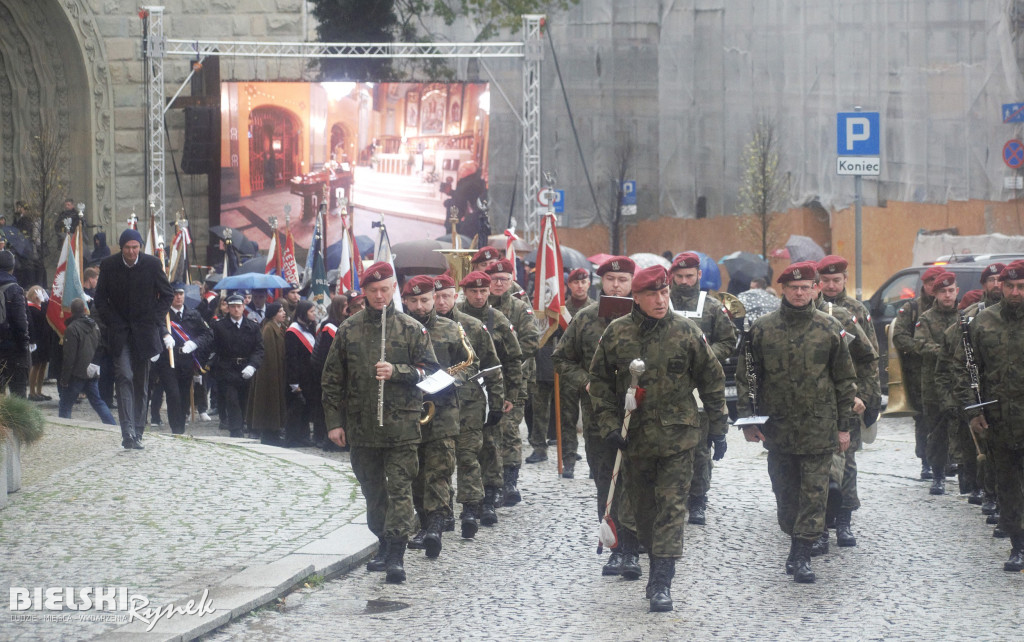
(510, 241)
(345, 265)
(549, 291)
(273, 263)
(289, 269)
(67, 286)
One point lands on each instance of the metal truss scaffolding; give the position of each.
(157, 48)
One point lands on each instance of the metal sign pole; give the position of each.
(857, 199)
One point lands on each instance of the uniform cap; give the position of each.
(932, 272)
(945, 280)
(970, 299)
(651, 279)
(443, 282)
(502, 266)
(832, 264)
(356, 298)
(991, 270)
(485, 254)
(178, 286)
(579, 274)
(235, 299)
(801, 271)
(475, 279)
(1013, 271)
(417, 285)
(379, 271)
(686, 260)
(617, 264)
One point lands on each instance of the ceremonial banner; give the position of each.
(67, 286)
(549, 291)
(384, 254)
(289, 270)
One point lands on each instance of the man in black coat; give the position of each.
(193, 341)
(132, 299)
(14, 337)
(238, 344)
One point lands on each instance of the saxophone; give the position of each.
(428, 406)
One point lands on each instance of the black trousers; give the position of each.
(233, 393)
(14, 373)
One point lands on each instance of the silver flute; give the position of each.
(380, 384)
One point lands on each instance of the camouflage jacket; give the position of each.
(448, 348)
(946, 367)
(677, 359)
(520, 315)
(903, 332)
(350, 386)
(931, 330)
(485, 356)
(806, 380)
(505, 344)
(575, 350)
(572, 308)
(713, 320)
(997, 337)
(860, 314)
(865, 358)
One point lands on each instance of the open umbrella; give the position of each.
(257, 263)
(446, 240)
(419, 257)
(710, 275)
(803, 248)
(600, 259)
(571, 259)
(647, 259)
(743, 267)
(242, 243)
(365, 244)
(17, 243)
(253, 281)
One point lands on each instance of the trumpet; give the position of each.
(427, 413)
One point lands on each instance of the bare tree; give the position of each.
(47, 161)
(765, 187)
(622, 164)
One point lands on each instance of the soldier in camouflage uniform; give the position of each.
(806, 384)
(931, 330)
(997, 338)
(844, 499)
(431, 490)
(711, 317)
(909, 348)
(473, 413)
(476, 286)
(520, 315)
(572, 359)
(485, 258)
(832, 276)
(664, 430)
(383, 458)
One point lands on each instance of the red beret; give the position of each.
(443, 282)
(992, 270)
(475, 279)
(832, 264)
(945, 280)
(653, 278)
(932, 272)
(1012, 272)
(377, 272)
(579, 274)
(417, 285)
(485, 254)
(802, 271)
(617, 264)
(970, 299)
(686, 260)
(504, 265)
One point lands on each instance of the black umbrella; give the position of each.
(447, 240)
(744, 267)
(803, 248)
(242, 243)
(17, 242)
(257, 264)
(419, 257)
(571, 259)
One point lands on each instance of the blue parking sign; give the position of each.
(858, 133)
(558, 207)
(628, 193)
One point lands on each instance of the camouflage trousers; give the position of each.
(843, 471)
(986, 479)
(970, 467)
(1009, 467)
(540, 422)
(511, 440)
(800, 484)
(570, 402)
(468, 445)
(490, 456)
(657, 488)
(601, 458)
(432, 488)
(385, 476)
(938, 423)
(700, 483)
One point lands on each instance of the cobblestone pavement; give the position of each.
(925, 568)
(165, 522)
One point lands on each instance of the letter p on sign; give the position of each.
(857, 133)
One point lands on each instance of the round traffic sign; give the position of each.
(1013, 154)
(546, 197)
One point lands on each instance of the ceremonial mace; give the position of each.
(606, 531)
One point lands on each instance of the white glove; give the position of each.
(294, 387)
(248, 372)
(92, 371)
(168, 341)
(198, 379)
(189, 347)
(631, 400)
(31, 347)
(155, 357)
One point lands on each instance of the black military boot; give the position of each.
(469, 520)
(487, 515)
(833, 504)
(614, 564)
(1016, 562)
(938, 484)
(993, 518)
(379, 561)
(844, 534)
(569, 468)
(537, 456)
(926, 470)
(989, 506)
(820, 545)
(416, 543)
(791, 560)
(395, 562)
(499, 493)
(512, 496)
(697, 505)
(802, 572)
(977, 497)
(432, 539)
(999, 533)
(630, 549)
(663, 569)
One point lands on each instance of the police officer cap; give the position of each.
(1013, 271)
(178, 286)
(485, 254)
(944, 280)
(579, 274)
(932, 272)
(832, 264)
(235, 299)
(992, 270)
(417, 285)
(443, 282)
(502, 266)
(970, 299)
(476, 279)
(653, 278)
(686, 260)
(617, 264)
(801, 271)
(379, 271)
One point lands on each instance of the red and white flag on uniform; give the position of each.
(549, 292)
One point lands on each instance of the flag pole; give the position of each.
(558, 424)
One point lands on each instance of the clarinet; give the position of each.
(972, 365)
(380, 384)
(748, 357)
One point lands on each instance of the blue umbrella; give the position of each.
(252, 281)
(365, 244)
(710, 275)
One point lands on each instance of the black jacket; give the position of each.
(132, 304)
(194, 326)
(298, 362)
(235, 348)
(14, 335)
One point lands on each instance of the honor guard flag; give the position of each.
(177, 267)
(549, 294)
(384, 254)
(320, 290)
(67, 286)
(345, 265)
(289, 270)
(510, 241)
(273, 263)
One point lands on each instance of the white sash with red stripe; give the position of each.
(305, 337)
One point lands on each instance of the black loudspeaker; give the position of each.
(702, 207)
(201, 143)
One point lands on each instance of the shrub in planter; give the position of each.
(20, 422)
